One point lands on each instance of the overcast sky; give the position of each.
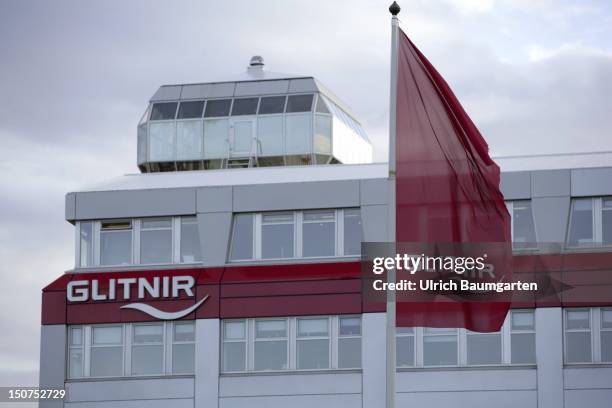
(75, 77)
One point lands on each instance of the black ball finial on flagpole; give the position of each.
(394, 8)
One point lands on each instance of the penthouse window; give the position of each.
(296, 234)
(590, 222)
(522, 224)
(296, 343)
(146, 241)
(588, 335)
(116, 242)
(442, 347)
(131, 349)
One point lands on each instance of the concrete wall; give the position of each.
(131, 393)
(52, 360)
(328, 390)
(471, 388)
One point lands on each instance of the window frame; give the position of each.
(291, 339)
(71, 347)
(597, 224)
(127, 345)
(143, 229)
(169, 357)
(298, 245)
(285, 338)
(90, 346)
(510, 206)
(244, 340)
(301, 338)
(594, 331)
(418, 333)
(163, 345)
(98, 231)
(136, 230)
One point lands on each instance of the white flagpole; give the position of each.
(394, 9)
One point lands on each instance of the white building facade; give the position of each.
(227, 274)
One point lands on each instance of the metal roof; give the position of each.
(247, 176)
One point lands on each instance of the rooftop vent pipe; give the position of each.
(257, 62)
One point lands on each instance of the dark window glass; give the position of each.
(163, 111)
(192, 109)
(299, 103)
(246, 106)
(272, 104)
(218, 107)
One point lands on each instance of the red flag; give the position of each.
(447, 186)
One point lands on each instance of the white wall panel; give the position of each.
(290, 384)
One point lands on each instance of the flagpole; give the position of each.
(394, 9)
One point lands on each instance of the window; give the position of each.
(432, 347)
(165, 240)
(353, 232)
(156, 241)
(277, 235)
(189, 135)
(483, 348)
(116, 243)
(299, 103)
(281, 235)
(439, 347)
(405, 347)
(522, 223)
(270, 348)
(321, 105)
(272, 104)
(163, 111)
(590, 222)
(106, 351)
(313, 343)
(183, 348)
(191, 110)
(148, 349)
(323, 134)
(242, 237)
(216, 133)
(578, 336)
(234, 346)
(606, 335)
(86, 244)
(161, 141)
(522, 337)
(606, 221)
(191, 251)
(75, 352)
(319, 233)
(581, 223)
(298, 134)
(131, 349)
(217, 108)
(296, 343)
(245, 106)
(270, 135)
(349, 342)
